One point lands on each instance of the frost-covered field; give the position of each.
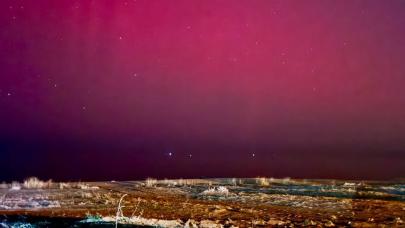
(204, 203)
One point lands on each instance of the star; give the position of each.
(253, 154)
(170, 154)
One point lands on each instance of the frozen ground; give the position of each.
(207, 203)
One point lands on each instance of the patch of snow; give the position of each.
(216, 191)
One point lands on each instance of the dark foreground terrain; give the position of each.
(259, 202)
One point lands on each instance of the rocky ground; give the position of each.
(259, 202)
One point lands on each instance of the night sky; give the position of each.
(102, 90)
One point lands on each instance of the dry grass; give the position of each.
(186, 182)
(119, 214)
(286, 180)
(236, 181)
(77, 185)
(85, 186)
(183, 182)
(64, 185)
(262, 181)
(150, 182)
(35, 183)
(3, 185)
(120, 218)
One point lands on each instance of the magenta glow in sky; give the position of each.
(195, 88)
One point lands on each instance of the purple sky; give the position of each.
(100, 90)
